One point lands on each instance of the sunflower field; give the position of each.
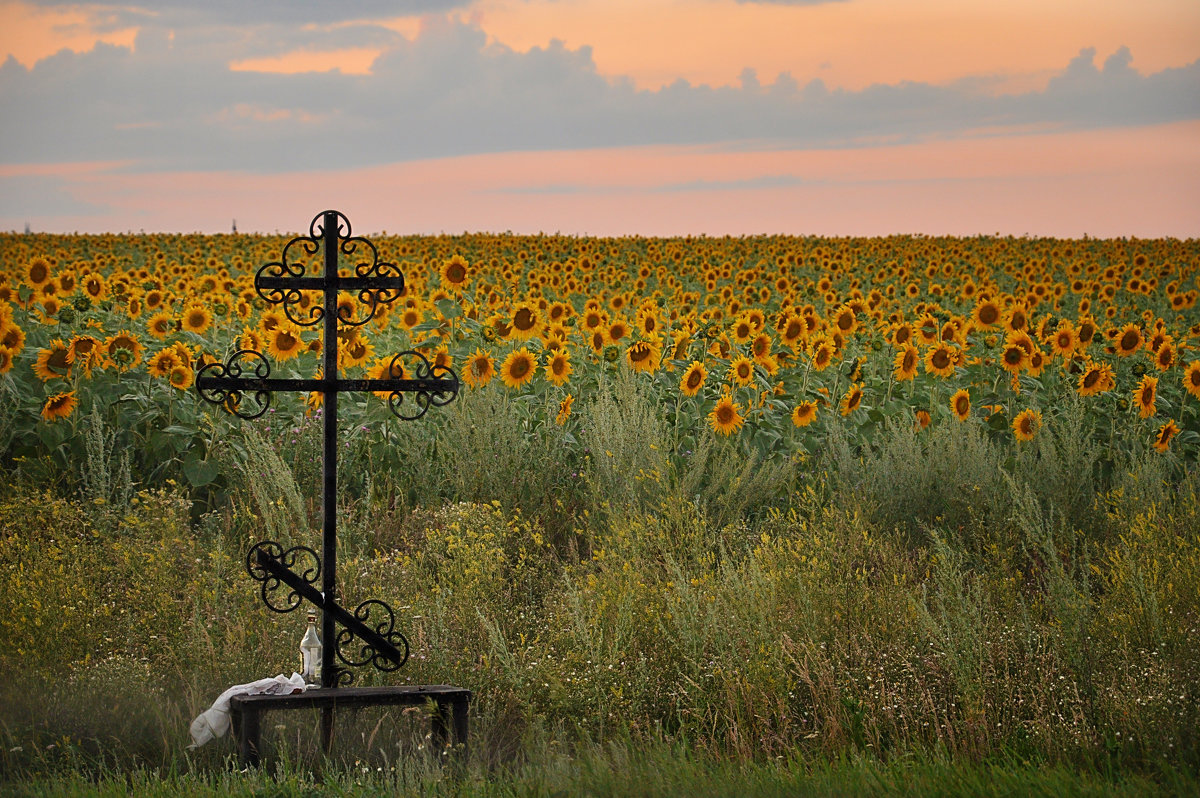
(759, 497)
(772, 341)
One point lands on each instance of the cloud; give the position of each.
(31, 196)
(172, 103)
(252, 12)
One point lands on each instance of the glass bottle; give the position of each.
(310, 652)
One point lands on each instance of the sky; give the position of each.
(603, 117)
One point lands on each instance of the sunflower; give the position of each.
(1145, 395)
(845, 320)
(853, 398)
(940, 360)
(904, 367)
(804, 413)
(410, 317)
(564, 410)
(793, 330)
(1128, 340)
(1095, 378)
(742, 329)
(1165, 433)
(1014, 359)
(284, 343)
(558, 367)
(442, 359)
(594, 319)
(986, 314)
(617, 330)
(822, 354)
(455, 272)
(741, 371)
(1065, 339)
(693, 379)
(960, 403)
(161, 364)
(923, 419)
(902, 334)
(6, 360)
(181, 377)
(1026, 424)
(251, 340)
(760, 347)
(645, 355)
(518, 368)
(1164, 356)
(37, 273)
(196, 319)
(271, 319)
(85, 353)
(726, 416)
(160, 325)
(1191, 378)
(647, 320)
(59, 406)
(54, 361)
(352, 354)
(1037, 363)
(526, 321)
(12, 337)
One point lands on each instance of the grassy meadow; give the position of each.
(734, 516)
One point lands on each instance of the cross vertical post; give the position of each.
(330, 452)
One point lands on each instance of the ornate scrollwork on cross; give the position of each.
(257, 565)
(377, 271)
(235, 368)
(355, 651)
(425, 398)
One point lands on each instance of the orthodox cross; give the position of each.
(368, 634)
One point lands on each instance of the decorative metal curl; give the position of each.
(285, 558)
(293, 297)
(367, 654)
(342, 677)
(425, 398)
(290, 298)
(231, 398)
(373, 298)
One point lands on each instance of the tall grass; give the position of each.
(935, 597)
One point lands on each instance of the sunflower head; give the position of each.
(1026, 424)
(960, 403)
(804, 413)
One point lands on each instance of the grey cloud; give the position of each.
(31, 196)
(251, 12)
(174, 104)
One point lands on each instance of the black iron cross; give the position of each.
(247, 374)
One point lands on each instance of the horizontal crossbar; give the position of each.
(251, 384)
(324, 282)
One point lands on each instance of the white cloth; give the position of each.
(214, 721)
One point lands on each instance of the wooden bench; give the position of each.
(451, 711)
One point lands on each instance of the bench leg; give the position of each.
(326, 730)
(460, 725)
(249, 730)
(437, 727)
